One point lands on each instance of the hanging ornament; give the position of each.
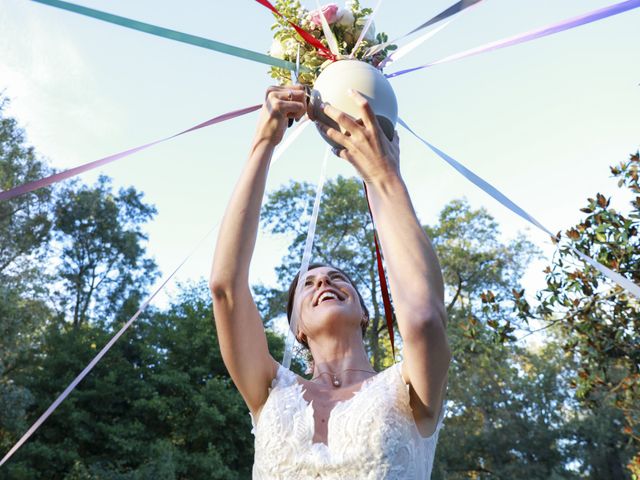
(332, 87)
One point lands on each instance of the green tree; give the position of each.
(103, 265)
(25, 224)
(25, 221)
(159, 405)
(508, 414)
(506, 403)
(598, 324)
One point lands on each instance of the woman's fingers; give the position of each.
(367, 116)
(346, 122)
(336, 135)
(288, 103)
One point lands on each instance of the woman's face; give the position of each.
(328, 300)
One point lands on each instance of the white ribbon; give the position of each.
(365, 29)
(328, 33)
(304, 267)
(404, 50)
(284, 146)
(504, 200)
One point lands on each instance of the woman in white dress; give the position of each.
(348, 421)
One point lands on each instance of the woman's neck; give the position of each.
(340, 364)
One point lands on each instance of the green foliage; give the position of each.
(506, 416)
(25, 221)
(102, 256)
(159, 405)
(480, 272)
(25, 224)
(599, 322)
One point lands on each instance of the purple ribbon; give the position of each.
(526, 37)
(72, 172)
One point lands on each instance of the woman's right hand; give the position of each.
(281, 104)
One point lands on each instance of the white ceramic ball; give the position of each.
(332, 87)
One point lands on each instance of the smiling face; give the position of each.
(328, 302)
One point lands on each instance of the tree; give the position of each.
(480, 271)
(25, 224)
(103, 261)
(599, 322)
(159, 405)
(25, 221)
(508, 409)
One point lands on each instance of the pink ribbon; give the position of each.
(72, 172)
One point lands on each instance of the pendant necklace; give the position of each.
(334, 377)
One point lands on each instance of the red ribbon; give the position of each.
(306, 36)
(386, 299)
(72, 172)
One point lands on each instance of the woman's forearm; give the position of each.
(239, 227)
(414, 271)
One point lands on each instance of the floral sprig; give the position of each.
(346, 23)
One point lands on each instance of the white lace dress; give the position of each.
(370, 436)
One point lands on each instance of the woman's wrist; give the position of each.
(386, 183)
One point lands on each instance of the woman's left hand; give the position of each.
(364, 143)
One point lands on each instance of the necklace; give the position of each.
(336, 381)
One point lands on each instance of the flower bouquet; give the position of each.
(338, 51)
(345, 24)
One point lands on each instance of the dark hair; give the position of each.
(294, 285)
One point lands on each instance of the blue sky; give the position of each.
(542, 121)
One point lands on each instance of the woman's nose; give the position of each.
(322, 279)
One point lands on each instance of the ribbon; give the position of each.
(72, 172)
(405, 49)
(505, 201)
(170, 34)
(306, 36)
(365, 29)
(328, 33)
(304, 267)
(452, 10)
(277, 155)
(386, 299)
(567, 24)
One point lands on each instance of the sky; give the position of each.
(541, 121)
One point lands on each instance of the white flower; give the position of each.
(276, 49)
(345, 18)
(349, 4)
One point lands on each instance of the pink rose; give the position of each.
(330, 11)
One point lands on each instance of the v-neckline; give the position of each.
(301, 389)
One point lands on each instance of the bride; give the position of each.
(348, 421)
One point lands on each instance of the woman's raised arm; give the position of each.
(240, 330)
(415, 277)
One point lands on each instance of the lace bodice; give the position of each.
(370, 436)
